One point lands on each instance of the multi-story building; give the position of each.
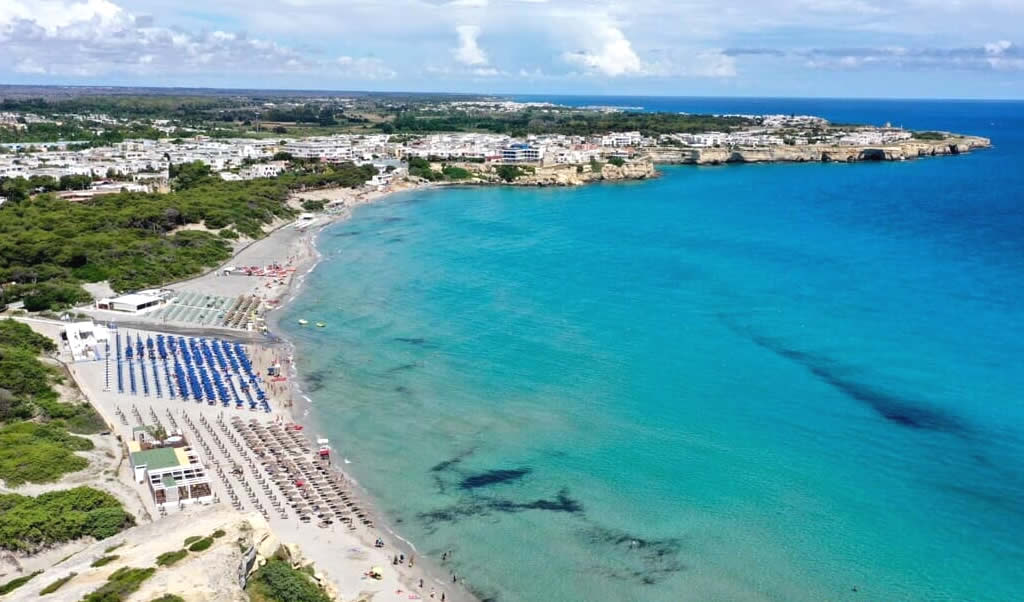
(522, 153)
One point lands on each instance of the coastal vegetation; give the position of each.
(17, 582)
(28, 524)
(569, 122)
(26, 393)
(49, 246)
(121, 584)
(929, 136)
(31, 452)
(277, 581)
(83, 135)
(168, 598)
(169, 558)
(104, 560)
(421, 168)
(509, 173)
(56, 585)
(201, 545)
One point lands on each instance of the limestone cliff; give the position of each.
(910, 149)
(568, 175)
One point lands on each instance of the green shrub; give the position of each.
(105, 560)
(23, 374)
(85, 421)
(120, 585)
(617, 161)
(14, 584)
(456, 173)
(168, 598)
(56, 585)
(29, 523)
(169, 558)
(509, 172)
(192, 539)
(16, 334)
(38, 453)
(277, 581)
(218, 533)
(201, 545)
(113, 547)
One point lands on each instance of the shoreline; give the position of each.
(300, 409)
(301, 243)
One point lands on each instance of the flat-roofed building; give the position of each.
(133, 303)
(172, 474)
(521, 153)
(86, 340)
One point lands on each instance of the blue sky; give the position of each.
(850, 48)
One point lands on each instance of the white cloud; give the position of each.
(997, 56)
(29, 66)
(96, 37)
(365, 68)
(575, 44)
(606, 51)
(469, 51)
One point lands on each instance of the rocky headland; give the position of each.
(823, 153)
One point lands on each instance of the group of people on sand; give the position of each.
(399, 559)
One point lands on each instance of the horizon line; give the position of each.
(513, 94)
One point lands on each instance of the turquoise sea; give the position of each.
(781, 382)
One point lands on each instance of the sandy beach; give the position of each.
(342, 553)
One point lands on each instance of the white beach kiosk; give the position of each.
(133, 303)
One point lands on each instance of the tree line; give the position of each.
(49, 246)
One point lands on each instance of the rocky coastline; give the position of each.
(640, 168)
(819, 153)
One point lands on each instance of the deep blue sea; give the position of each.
(758, 382)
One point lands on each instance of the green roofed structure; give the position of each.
(173, 474)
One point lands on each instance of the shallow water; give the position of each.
(747, 382)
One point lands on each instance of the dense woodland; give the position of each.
(578, 123)
(49, 246)
(238, 116)
(83, 134)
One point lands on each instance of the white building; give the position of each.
(262, 170)
(622, 139)
(86, 340)
(133, 303)
(522, 153)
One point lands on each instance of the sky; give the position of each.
(830, 48)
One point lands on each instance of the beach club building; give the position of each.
(133, 303)
(86, 340)
(172, 474)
